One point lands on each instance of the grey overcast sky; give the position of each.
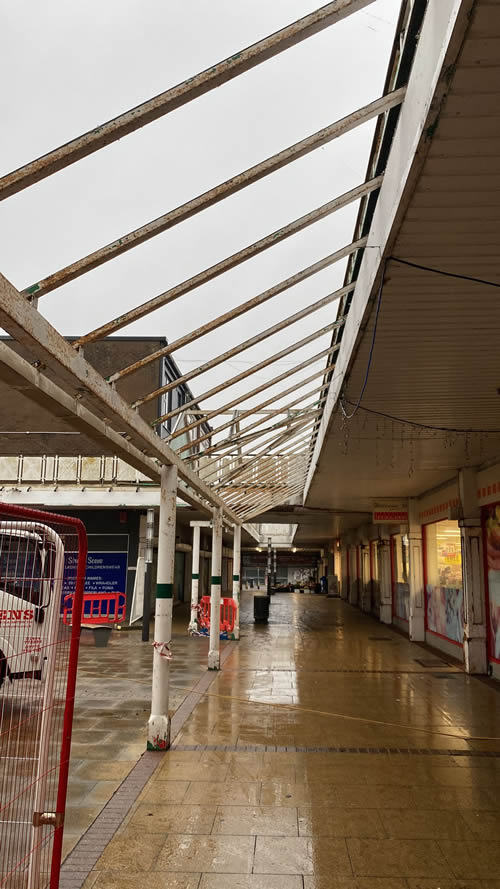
(68, 66)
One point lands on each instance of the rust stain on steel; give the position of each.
(246, 344)
(256, 367)
(178, 95)
(250, 411)
(274, 413)
(216, 194)
(235, 313)
(230, 262)
(282, 376)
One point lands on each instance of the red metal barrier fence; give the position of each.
(38, 662)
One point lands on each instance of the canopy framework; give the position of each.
(253, 461)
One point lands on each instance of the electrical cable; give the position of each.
(427, 268)
(372, 346)
(424, 425)
(357, 404)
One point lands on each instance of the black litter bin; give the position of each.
(261, 609)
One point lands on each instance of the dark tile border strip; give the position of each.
(271, 748)
(85, 855)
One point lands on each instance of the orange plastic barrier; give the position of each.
(98, 608)
(227, 614)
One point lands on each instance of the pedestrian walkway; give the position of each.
(329, 753)
(113, 704)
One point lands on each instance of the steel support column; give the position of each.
(159, 721)
(475, 634)
(215, 592)
(195, 579)
(237, 578)
(416, 574)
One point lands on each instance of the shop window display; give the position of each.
(400, 585)
(491, 517)
(443, 580)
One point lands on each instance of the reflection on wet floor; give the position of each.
(249, 819)
(111, 713)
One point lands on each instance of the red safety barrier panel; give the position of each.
(98, 609)
(41, 555)
(227, 614)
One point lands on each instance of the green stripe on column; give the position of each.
(236, 576)
(195, 576)
(215, 580)
(164, 590)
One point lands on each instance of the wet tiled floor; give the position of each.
(320, 675)
(113, 704)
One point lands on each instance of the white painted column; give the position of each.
(344, 561)
(215, 591)
(353, 576)
(365, 583)
(159, 721)
(416, 573)
(195, 580)
(384, 570)
(475, 636)
(236, 578)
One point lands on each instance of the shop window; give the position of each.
(443, 580)
(400, 585)
(491, 517)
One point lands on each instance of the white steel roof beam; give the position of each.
(230, 262)
(251, 411)
(256, 391)
(77, 377)
(179, 95)
(215, 195)
(267, 415)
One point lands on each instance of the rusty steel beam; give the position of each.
(77, 377)
(218, 74)
(291, 440)
(274, 434)
(246, 344)
(236, 312)
(251, 411)
(230, 262)
(255, 391)
(267, 415)
(246, 515)
(297, 473)
(214, 195)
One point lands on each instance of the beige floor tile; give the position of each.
(164, 791)
(375, 797)
(253, 820)
(301, 855)
(425, 824)
(334, 882)
(453, 798)
(277, 793)
(250, 881)
(102, 792)
(131, 851)
(484, 825)
(213, 854)
(192, 771)
(105, 771)
(397, 858)
(474, 859)
(247, 772)
(109, 880)
(234, 793)
(173, 818)
(451, 884)
(327, 821)
(78, 818)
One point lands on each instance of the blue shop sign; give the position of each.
(106, 572)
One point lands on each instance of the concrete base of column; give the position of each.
(158, 733)
(193, 623)
(366, 600)
(416, 627)
(235, 634)
(386, 614)
(213, 660)
(475, 656)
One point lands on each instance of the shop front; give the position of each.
(491, 539)
(444, 605)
